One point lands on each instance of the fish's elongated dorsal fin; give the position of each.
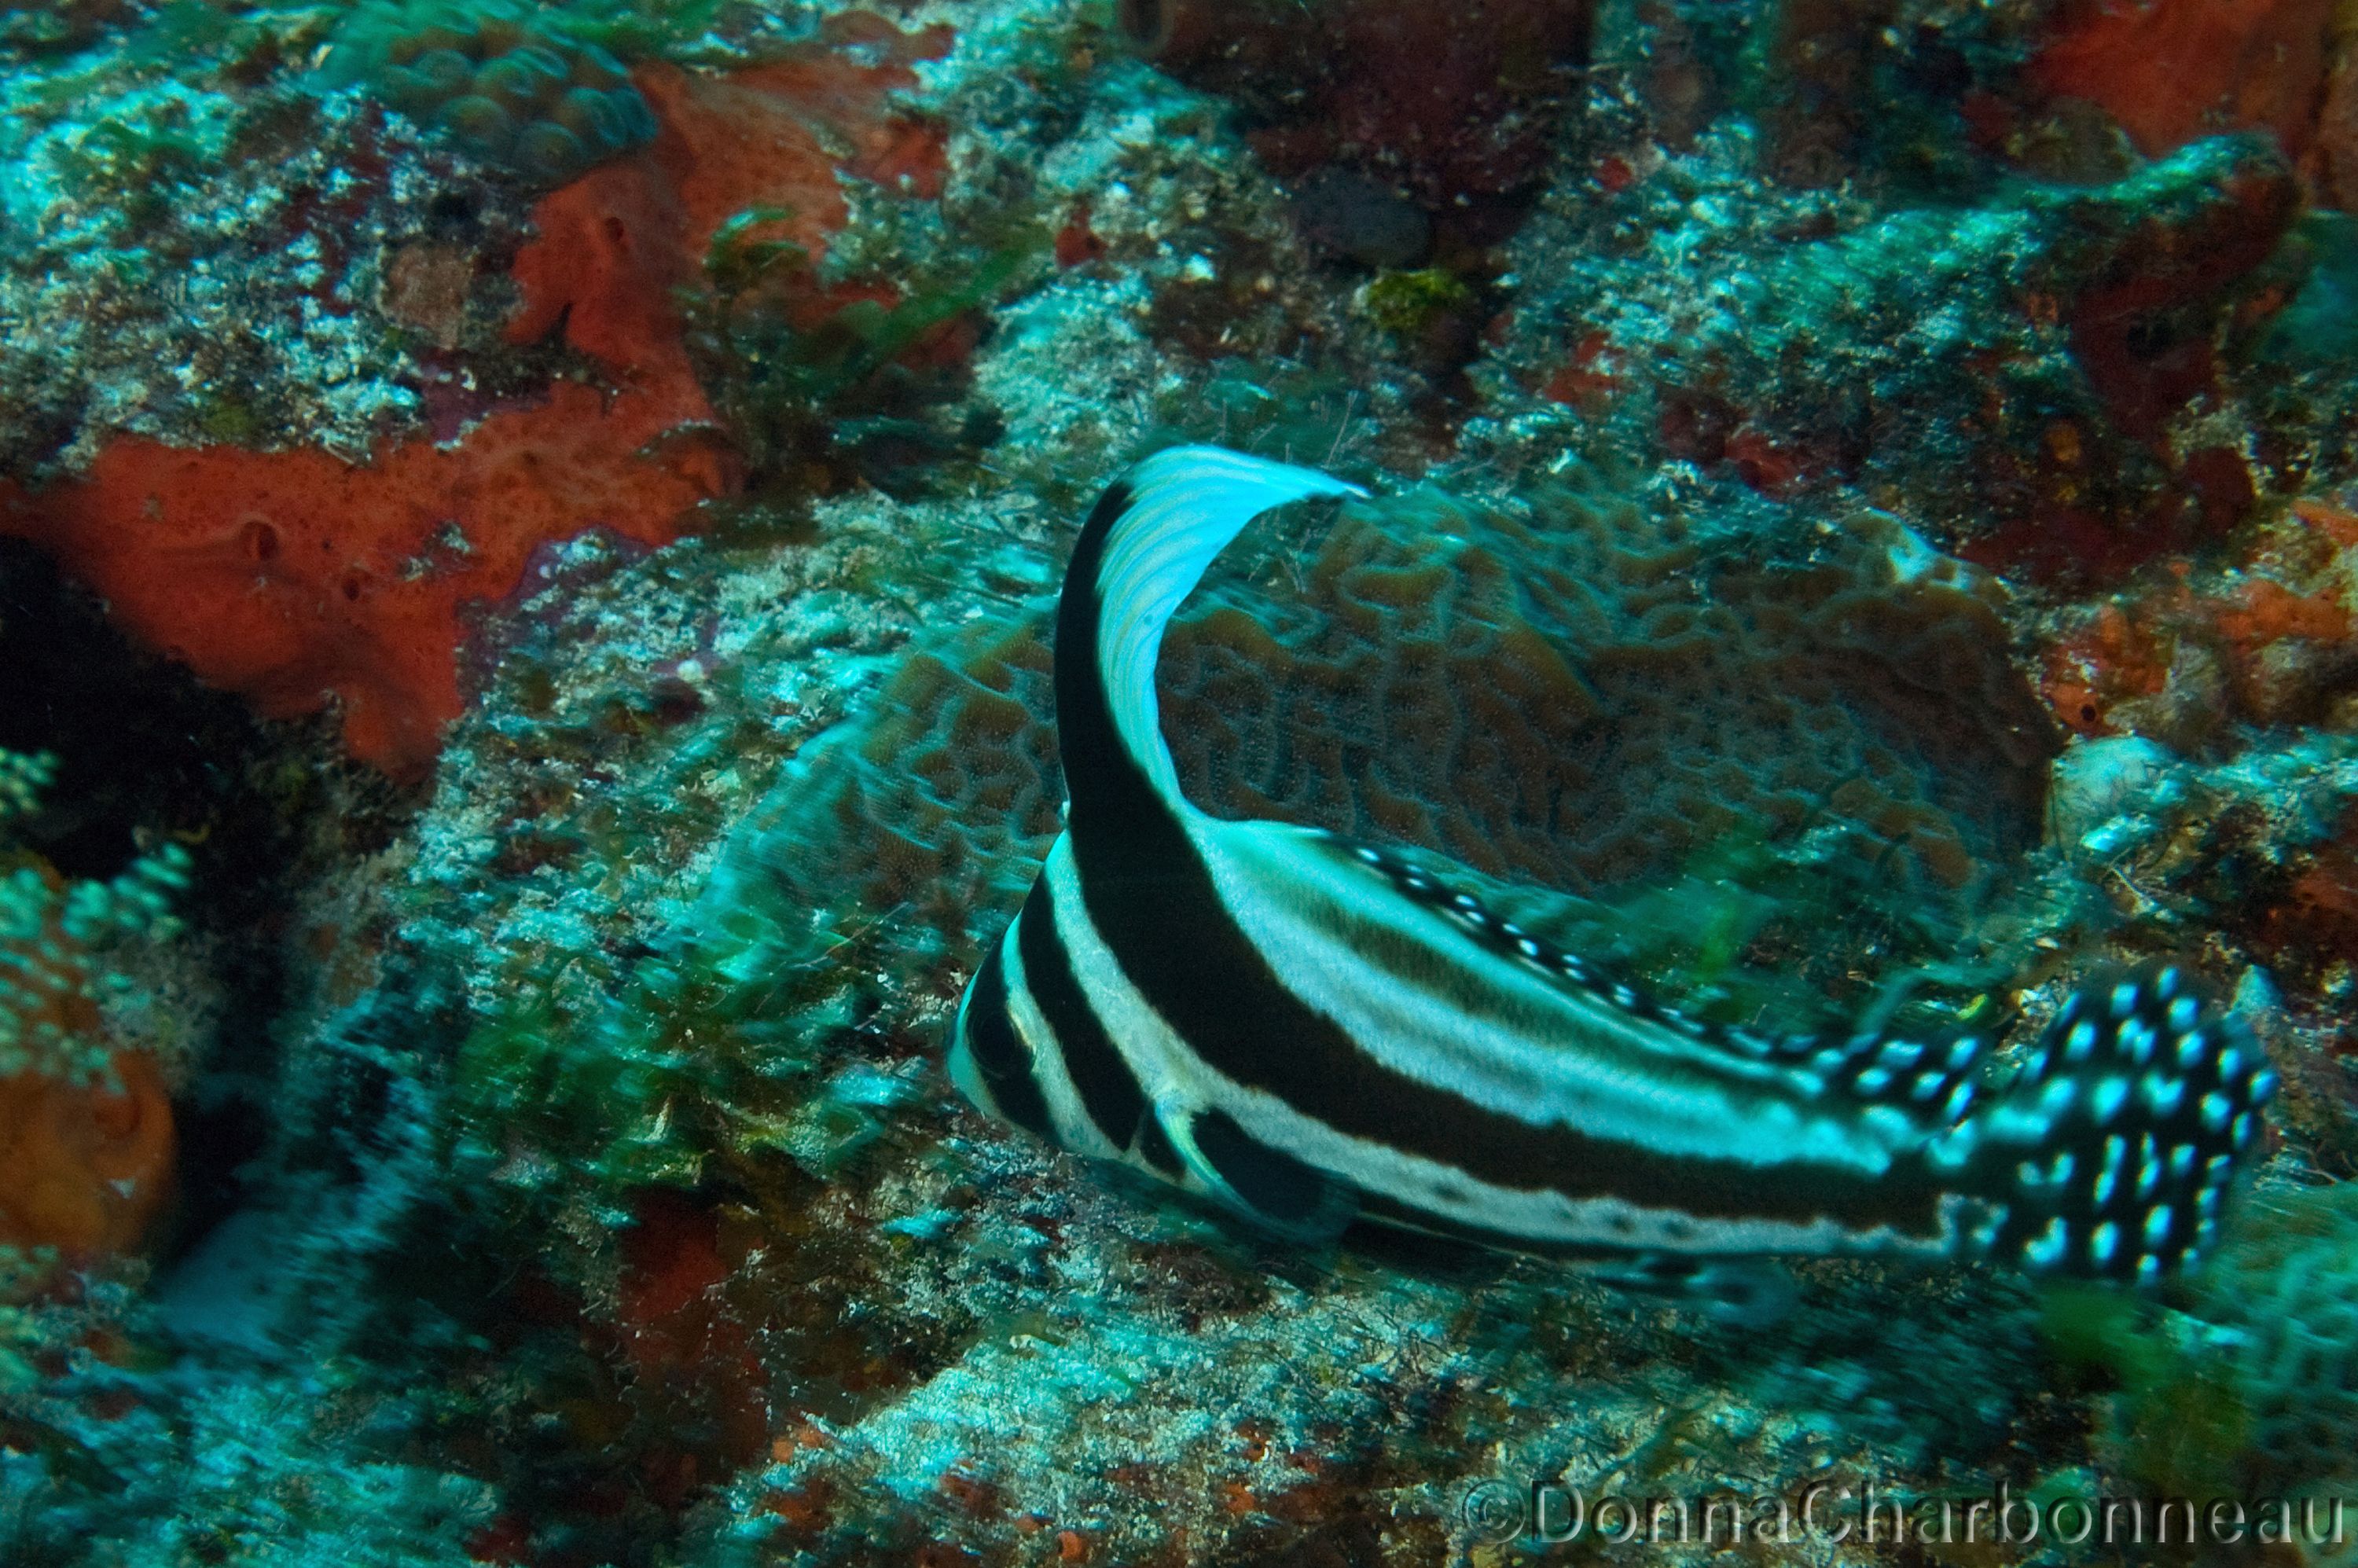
(1141, 552)
(1926, 1079)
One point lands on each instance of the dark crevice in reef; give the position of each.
(1436, 121)
(147, 755)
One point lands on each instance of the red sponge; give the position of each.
(2170, 71)
(289, 576)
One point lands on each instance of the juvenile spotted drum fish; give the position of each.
(1307, 1030)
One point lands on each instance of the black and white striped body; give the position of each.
(1307, 1030)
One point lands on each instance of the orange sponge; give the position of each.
(292, 577)
(83, 1168)
(83, 1165)
(289, 576)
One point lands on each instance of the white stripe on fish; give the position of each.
(1305, 1029)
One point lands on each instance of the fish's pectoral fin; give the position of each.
(1267, 1185)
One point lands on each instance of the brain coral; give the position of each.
(515, 88)
(1579, 696)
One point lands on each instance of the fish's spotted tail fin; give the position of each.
(2111, 1153)
(1141, 552)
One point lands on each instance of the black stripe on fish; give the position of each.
(1148, 896)
(1108, 1091)
(1003, 1060)
(1088, 745)
(1486, 1083)
(1935, 1076)
(1147, 893)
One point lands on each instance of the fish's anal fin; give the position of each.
(1737, 1291)
(2112, 1152)
(1267, 1185)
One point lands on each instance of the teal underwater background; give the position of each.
(526, 541)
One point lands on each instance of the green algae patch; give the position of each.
(827, 384)
(1405, 304)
